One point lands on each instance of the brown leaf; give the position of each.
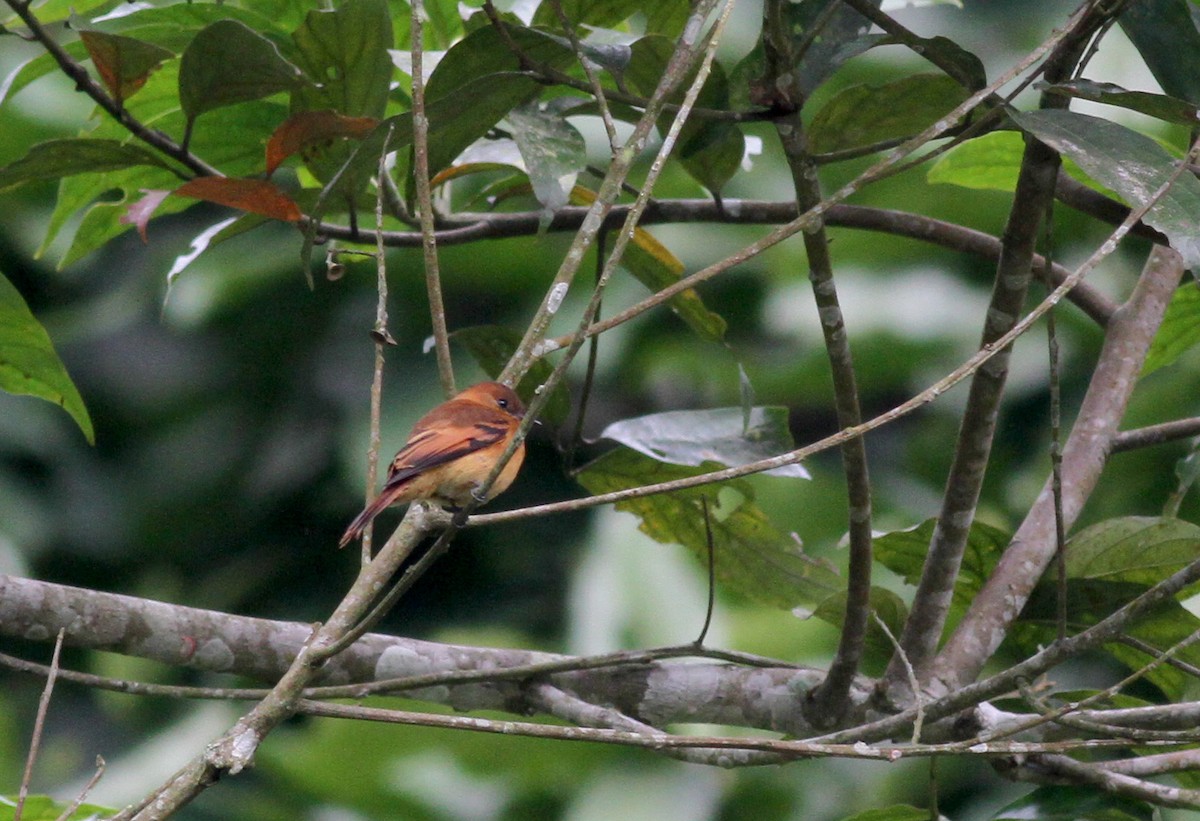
(123, 63)
(254, 196)
(308, 129)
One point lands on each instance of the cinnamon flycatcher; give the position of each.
(449, 453)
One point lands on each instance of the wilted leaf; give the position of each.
(493, 345)
(56, 159)
(718, 435)
(28, 363)
(123, 63)
(255, 196)
(656, 267)
(347, 49)
(307, 128)
(139, 213)
(227, 62)
(1132, 165)
(1179, 332)
(751, 556)
(864, 115)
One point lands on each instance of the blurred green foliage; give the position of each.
(230, 414)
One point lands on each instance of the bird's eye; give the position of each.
(502, 403)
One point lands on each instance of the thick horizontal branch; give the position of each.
(656, 693)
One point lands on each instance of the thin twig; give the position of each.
(919, 701)
(433, 279)
(610, 126)
(1156, 434)
(69, 810)
(712, 571)
(39, 726)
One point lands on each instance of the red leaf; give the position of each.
(139, 213)
(123, 63)
(254, 196)
(306, 129)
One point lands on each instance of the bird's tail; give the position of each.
(356, 528)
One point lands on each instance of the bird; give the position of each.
(449, 453)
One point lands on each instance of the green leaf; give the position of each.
(903, 552)
(885, 604)
(752, 557)
(1089, 601)
(896, 812)
(1162, 106)
(345, 51)
(1138, 549)
(455, 121)
(710, 150)
(864, 115)
(992, 162)
(553, 150)
(964, 66)
(1179, 332)
(56, 159)
(666, 16)
(232, 140)
(45, 808)
(1074, 804)
(1131, 164)
(715, 435)
(1165, 35)
(493, 345)
(228, 63)
(28, 363)
(841, 37)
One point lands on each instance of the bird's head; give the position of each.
(494, 395)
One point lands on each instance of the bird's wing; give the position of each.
(449, 437)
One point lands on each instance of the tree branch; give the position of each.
(1002, 597)
(964, 482)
